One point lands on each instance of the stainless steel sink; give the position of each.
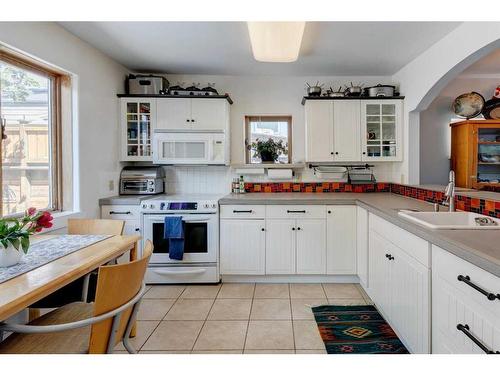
(451, 220)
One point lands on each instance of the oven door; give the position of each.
(200, 238)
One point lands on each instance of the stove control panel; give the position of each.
(179, 206)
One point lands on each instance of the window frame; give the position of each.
(57, 79)
(271, 118)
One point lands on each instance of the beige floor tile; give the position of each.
(307, 335)
(190, 309)
(269, 335)
(201, 291)
(287, 351)
(144, 329)
(271, 309)
(222, 335)
(236, 291)
(165, 352)
(272, 291)
(217, 352)
(310, 351)
(342, 291)
(178, 335)
(306, 291)
(301, 308)
(164, 291)
(154, 309)
(347, 302)
(230, 309)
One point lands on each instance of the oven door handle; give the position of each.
(190, 272)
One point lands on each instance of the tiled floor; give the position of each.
(237, 318)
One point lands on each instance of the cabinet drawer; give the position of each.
(449, 267)
(120, 212)
(295, 212)
(414, 246)
(243, 211)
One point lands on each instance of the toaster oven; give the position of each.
(142, 180)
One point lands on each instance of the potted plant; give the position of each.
(269, 150)
(15, 234)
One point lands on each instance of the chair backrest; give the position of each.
(116, 285)
(95, 226)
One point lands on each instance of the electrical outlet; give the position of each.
(111, 185)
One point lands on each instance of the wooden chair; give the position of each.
(82, 289)
(80, 327)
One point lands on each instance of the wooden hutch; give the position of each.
(475, 153)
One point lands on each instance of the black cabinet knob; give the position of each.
(192, 120)
(329, 211)
(263, 229)
(336, 153)
(331, 153)
(293, 228)
(364, 153)
(298, 228)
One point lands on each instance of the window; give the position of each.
(29, 108)
(268, 139)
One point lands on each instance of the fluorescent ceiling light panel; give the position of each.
(276, 41)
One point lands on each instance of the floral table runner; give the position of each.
(45, 251)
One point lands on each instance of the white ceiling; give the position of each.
(328, 48)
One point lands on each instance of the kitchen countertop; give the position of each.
(132, 200)
(479, 247)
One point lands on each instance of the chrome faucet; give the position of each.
(450, 193)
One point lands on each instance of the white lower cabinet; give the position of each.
(280, 246)
(130, 215)
(464, 320)
(311, 246)
(362, 246)
(242, 247)
(296, 246)
(400, 288)
(341, 240)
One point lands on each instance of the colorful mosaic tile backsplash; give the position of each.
(464, 203)
(315, 187)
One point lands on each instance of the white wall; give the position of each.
(98, 79)
(263, 95)
(423, 79)
(434, 126)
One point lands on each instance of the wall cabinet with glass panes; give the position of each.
(381, 130)
(353, 129)
(138, 119)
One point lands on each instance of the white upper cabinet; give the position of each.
(319, 130)
(174, 114)
(137, 122)
(346, 130)
(381, 129)
(192, 114)
(350, 130)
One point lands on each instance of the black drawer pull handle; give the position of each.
(119, 213)
(296, 212)
(242, 211)
(466, 330)
(466, 279)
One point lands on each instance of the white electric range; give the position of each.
(200, 216)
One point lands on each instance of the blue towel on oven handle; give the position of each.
(174, 233)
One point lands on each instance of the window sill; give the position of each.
(61, 220)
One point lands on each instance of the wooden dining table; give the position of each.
(22, 291)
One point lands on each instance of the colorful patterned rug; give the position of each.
(356, 330)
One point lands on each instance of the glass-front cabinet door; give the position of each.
(138, 122)
(488, 155)
(381, 124)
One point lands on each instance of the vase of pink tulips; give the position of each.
(15, 234)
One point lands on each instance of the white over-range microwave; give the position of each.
(174, 147)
